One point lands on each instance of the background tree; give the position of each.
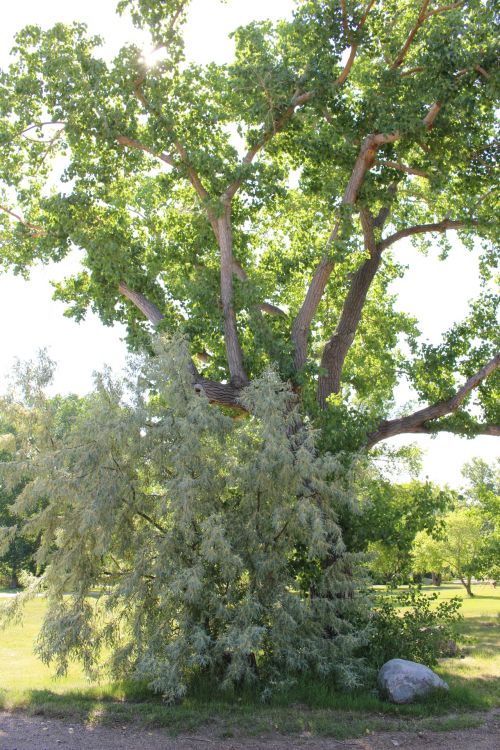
(427, 556)
(461, 550)
(25, 413)
(254, 205)
(483, 493)
(16, 552)
(390, 517)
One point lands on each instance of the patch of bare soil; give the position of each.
(21, 732)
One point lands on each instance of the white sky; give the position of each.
(436, 293)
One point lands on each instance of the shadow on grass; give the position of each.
(308, 706)
(482, 634)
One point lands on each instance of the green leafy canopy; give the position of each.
(275, 146)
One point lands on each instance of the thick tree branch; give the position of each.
(148, 309)
(234, 354)
(335, 351)
(479, 69)
(441, 226)
(431, 115)
(417, 422)
(383, 214)
(406, 46)
(267, 307)
(489, 429)
(302, 323)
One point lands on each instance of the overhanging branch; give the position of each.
(441, 226)
(418, 421)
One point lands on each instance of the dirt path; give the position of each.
(21, 732)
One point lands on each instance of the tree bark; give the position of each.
(468, 585)
(14, 581)
(226, 394)
(233, 349)
(335, 351)
(302, 323)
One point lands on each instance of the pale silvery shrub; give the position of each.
(185, 524)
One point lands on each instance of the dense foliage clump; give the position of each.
(183, 524)
(409, 625)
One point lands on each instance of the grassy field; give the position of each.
(474, 681)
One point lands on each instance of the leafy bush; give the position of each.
(407, 625)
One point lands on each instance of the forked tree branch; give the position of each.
(297, 101)
(423, 15)
(418, 421)
(192, 174)
(336, 349)
(299, 98)
(362, 165)
(226, 394)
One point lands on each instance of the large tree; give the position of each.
(255, 205)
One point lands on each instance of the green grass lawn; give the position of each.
(474, 681)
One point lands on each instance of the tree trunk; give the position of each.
(436, 579)
(468, 586)
(14, 581)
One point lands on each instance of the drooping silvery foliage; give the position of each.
(211, 542)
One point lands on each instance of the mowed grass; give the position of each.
(310, 706)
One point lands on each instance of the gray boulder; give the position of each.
(403, 681)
